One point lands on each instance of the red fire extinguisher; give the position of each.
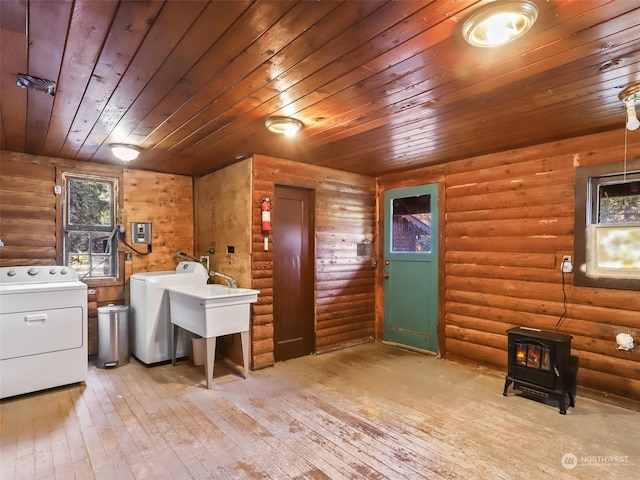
(266, 215)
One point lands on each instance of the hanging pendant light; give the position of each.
(630, 96)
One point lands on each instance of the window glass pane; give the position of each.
(101, 266)
(619, 202)
(80, 263)
(100, 242)
(90, 202)
(411, 229)
(78, 242)
(614, 251)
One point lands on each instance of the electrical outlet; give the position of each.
(204, 260)
(566, 266)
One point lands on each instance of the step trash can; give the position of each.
(113, 336)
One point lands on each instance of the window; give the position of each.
(411, 224)
(607, 233)
(90, 241)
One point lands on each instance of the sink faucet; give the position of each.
(231, 282)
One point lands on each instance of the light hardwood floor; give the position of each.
(367, 412)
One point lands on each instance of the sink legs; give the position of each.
(245, 352)
(210, 353)
(210, 356)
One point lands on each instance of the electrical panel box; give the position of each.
(141, 233)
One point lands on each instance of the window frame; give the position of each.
(584, 204)
(100, 173)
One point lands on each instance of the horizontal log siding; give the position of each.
(509, 219)
(27, 210)
(344, 284)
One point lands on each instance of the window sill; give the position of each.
(103, 282)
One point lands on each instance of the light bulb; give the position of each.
(632, 119)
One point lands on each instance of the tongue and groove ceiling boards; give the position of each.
(380, 87)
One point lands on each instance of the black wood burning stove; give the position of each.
(540, 363)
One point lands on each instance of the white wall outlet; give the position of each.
(566, 266)
(204, 260)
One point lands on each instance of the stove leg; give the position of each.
(563, 406)
(506, 386)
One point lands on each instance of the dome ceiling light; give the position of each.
(283, 125)
(630, 96)
(125, 152)
(499, 22)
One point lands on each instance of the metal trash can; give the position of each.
(113, 336)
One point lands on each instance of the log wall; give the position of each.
(223, 219)
(344, 283)
(29, 212)
(508, 219)
(167, 202)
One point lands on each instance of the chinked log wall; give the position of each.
(508, 220)
(29, 212)
(344, 283)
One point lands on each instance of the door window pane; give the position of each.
(411, 224)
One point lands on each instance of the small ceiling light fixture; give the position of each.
(630, 96)
(124, 152)
(287, 125)
(499, 22)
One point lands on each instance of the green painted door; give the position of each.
(411, 267)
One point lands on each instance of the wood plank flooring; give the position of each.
(368, 412)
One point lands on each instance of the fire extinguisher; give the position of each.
(266, 215)
(266, 221)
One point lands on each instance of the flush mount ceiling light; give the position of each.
(499, 22)
(125, 152)
(283, 125)
(630, 96)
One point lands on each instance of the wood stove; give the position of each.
(540, 363)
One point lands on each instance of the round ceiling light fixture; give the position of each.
(125, 152)
(283, 125)
(499, 23)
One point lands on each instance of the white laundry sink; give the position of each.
(211, 310)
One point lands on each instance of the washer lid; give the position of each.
(148, 275)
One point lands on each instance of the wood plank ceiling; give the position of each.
(380, 86)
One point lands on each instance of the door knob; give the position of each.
(386, 275)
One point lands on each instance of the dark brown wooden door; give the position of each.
(293, 273)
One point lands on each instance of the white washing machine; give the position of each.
(150, 320)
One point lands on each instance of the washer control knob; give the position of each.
(52, 271)
(11, 273)
(64, 270)
(33, 271)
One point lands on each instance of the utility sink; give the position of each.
(212, 310)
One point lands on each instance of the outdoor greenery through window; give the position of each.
(90, 241)
(613, 246)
